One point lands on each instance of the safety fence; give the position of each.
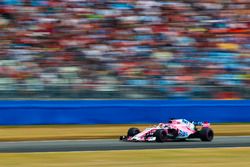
(109, 91)
(33, 112)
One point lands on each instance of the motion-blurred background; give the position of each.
(122, 49)
(141, 49)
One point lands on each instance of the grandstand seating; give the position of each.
(166, 49)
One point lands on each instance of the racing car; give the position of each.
(175, 129)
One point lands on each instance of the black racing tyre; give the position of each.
(160, 135)
(133, 131)
(206, 134)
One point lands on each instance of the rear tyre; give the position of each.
(206, 134)
(160, 135)
(133, 131)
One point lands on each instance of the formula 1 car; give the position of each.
(175, 129)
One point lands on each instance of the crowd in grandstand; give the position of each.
(125, 48)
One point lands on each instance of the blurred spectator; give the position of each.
(125, 49)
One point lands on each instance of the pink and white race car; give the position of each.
(175, 129)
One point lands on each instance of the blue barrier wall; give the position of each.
(121, 111)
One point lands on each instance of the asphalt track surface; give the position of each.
(104, 145)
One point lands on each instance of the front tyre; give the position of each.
(160, 135)
(133, 131)
(206, 134)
